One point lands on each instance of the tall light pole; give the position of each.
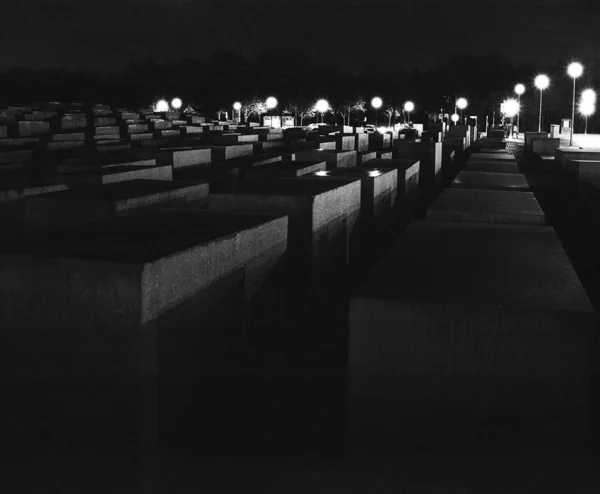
(587, 105)
(511, 107)
(461, 103)
(541, 82)
(519, 90)
(575, 70)
(237, 106)
(409, 106)
(376, 103)
(322, 106)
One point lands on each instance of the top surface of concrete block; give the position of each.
(140, 239)
(290, 187)
(490, 181)
(487, 206)
(120, 190)
(466, 264)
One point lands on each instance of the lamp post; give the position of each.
(511, 108)
(237, 106)
(376, 103)
(575, 70)
(587, 105)
(271, 104)
(519, 90)
(541, 82)
(461, 103)
(455, 118)
(322, 106)
(409, 106)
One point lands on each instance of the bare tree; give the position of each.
(348, 107)
(253, 106)
(302, 110)
(221, 112)
(391, 112)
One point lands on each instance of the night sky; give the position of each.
(354, 34)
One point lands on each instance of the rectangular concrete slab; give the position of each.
(85, 205)
(461, 320)
(408, 176)
(490, 181)
(119, 173)
(491, 166)
(487, 206)
(129, 314)
(494, 157)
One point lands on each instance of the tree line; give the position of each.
(214, 84)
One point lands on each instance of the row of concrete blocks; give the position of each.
(474, 322)
(98, 290)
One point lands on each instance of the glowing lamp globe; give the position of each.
(519, 89)
(511, 107)
(575, 70)
(588, 95)
(161, 106)
(542, 82)
(376, 102)
(461, 103)
(455, 117)
(409, 106)
(322, 106)
(237, 106)
(587, 108)
(271, 102)
(176, 103)
(321, 174)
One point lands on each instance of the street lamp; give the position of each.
(519, 90)
(271, 102)
(510, 108)
(541, 82)
(322, 106)
(376, 103)
(176, 103)
(237, 106)
(587, 105)
(161, 106)
(575, 70)
(461, 103)
(455, 118)
(409, 106)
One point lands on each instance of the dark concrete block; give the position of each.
(317, 239)
(529, 136)
(378, 141)
(29, 128)
(384, 155)
(283, 169)
(118, 173)
(76, 207)
(139, 310)
(76, 122)
(363, 157)
(185, 157)
(482, 156)
(223, 153)
(487, 206)
(334, 159)
(486, 318)
(490, 181)
(408, 177)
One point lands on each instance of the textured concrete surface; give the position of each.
(487, 206)
(491, 166)
(458, 321)
(119, 173)
(490, 181)
(129, 315)
(408, 176)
